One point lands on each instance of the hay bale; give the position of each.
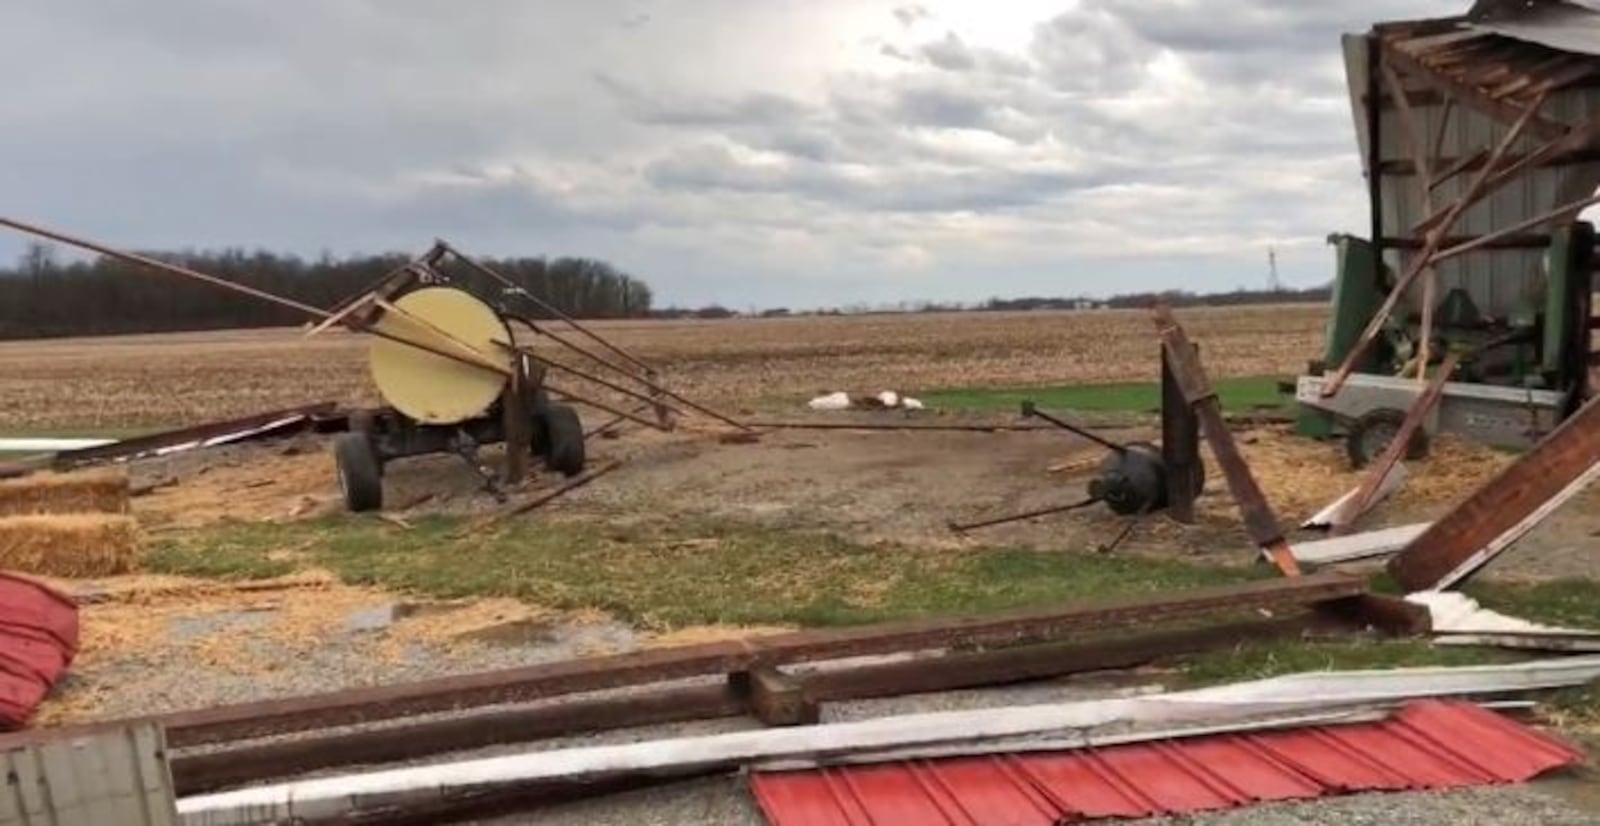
(69, 545)
(86, 492)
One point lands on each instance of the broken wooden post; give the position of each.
(775, 698)
(1259, 520)
(1345, 519)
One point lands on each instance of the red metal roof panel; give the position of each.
(1427, 745)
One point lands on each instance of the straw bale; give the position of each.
(101, 491)
(69, 545)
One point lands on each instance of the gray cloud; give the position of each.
(727, 151)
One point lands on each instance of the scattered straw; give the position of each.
(87, 492)
(699, 634)
(72, 545)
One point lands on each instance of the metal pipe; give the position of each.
(885, 426)
(654, 402)
(544, 305)
(658, 388)
(579, 350)
(1021, 517)
(1030, 410)
(609, 385)
(573, 397)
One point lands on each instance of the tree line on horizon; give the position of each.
(1129, 301)
(41, 296)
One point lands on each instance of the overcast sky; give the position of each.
(747, 152)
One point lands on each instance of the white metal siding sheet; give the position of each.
(118, 777)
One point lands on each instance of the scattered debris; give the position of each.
(209, 434)
(547, 497)
(47, 445)
(1460, 620)
(1334, 513)
(1352, 547)
(1520, 497)
(1244, 704)
(885, 400)
(1183, 360)
(1427, 744)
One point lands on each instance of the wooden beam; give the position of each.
(1486, 523)
(1345, 519)
(1564, 211)
(776, 699)
(1419, 155)
(1579, 139)
(1420, 262)
(1515, 241)
(535, 682)
(1259, 520)
(208, 770)
(1472, 96)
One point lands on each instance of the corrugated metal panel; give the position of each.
(38, 639)
(118, 776)
(1428, 745)
(1565, 26)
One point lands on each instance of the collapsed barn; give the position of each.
(1477, 137)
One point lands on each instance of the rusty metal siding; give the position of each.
(117, 776)
(1497, 280)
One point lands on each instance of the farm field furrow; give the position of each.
(90, 384)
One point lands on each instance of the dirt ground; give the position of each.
(121, 383)
(903, 487)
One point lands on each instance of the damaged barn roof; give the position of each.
(1467, 81)
(1568, 25)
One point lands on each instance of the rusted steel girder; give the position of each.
(536, 682)
(1497, 514)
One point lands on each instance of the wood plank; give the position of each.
(598, 673)
(1500, 506)
(1259, 520)
(1367, 493)
(210, 770)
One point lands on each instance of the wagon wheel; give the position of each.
(360, 474)
(1371, 434)
(558, 439)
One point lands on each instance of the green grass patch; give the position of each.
(666, 576)
(1272, 658)
(1239, 395)
(1570, 602)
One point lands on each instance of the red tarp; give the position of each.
(1427, 745)
(38, 638)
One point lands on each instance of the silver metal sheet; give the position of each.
(1568, 27)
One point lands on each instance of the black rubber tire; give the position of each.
(559, 439)
(1369, 436)
(360, 474)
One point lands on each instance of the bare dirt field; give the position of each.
(125, 382)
